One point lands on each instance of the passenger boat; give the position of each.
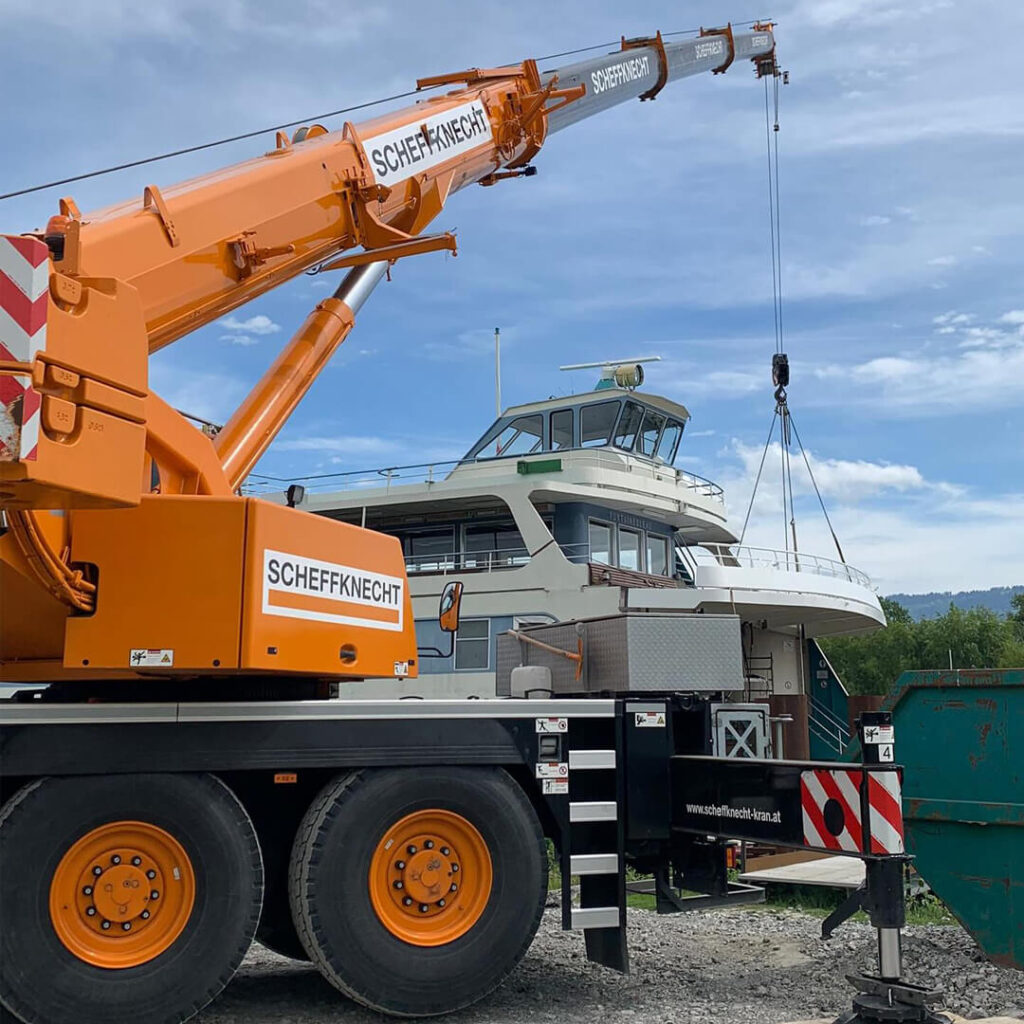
(578, 507)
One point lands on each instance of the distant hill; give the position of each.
(928, 606)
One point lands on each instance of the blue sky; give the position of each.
(645, 231)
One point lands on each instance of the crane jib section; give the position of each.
(627, 74)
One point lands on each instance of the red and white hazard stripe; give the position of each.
(24, 280)
(831, 808)
(830, 801)
(885, 810)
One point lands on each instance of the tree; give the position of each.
(895, 612)
(978, 638)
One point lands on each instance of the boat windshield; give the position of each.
(624, 423)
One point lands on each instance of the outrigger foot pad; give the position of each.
(879, 1001)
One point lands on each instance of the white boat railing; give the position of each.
(388, 477)
(745, 556)
(486, 561)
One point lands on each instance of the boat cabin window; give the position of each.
(657, 555)
(430, 550)
(488, 547)
(629, 549)
(596, 422)
(561, 429)
(650, 432)
(522, 436)
(669, 442)
(629, 424)
(472, 644)
(601, 543)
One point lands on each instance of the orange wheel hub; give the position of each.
(122, 894)
(430, 877)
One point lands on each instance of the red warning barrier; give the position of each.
(832, 810)
(24, 281)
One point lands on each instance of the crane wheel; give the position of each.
(416, 891)
(124, 898)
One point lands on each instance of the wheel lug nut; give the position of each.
(410, 849)
(91, 911)
(151, 874)
(127, 926)
(423, 908)
(445, 851)
(154, 895)
(407, 901)
(440, 903)
(136, 861)
(105, 925)
(87, 891)
(97, 871)
(455, 867)
(399, 865)
(454, 888)
(398, 885)
(429, 844)
(144, 915)
(115, 859)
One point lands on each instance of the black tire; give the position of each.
(42, 981)
(336, 919)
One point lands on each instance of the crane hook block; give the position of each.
(780, 370)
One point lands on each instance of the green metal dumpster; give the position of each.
(960, 736)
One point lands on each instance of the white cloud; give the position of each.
(915, 545)
(953, 318)
(211, 396)
(983, 371)
(942, 261)
(891, 521)
(258, 324)
(844, 479)
(340, 444)
(721, 383)
(875, 220)
(240, 339)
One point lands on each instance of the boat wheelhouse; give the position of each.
(577, 507)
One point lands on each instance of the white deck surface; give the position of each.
(834, 872)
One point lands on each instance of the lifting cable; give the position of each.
(780, 361)
(302, 120)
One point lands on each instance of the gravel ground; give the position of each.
(714, 967)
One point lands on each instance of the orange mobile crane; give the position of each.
(166, 796)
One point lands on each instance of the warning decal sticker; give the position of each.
(403, 152)
(306, 588)
(649, 719)
(151, 657)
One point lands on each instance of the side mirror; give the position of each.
(448, 611)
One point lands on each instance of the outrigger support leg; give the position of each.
(885, 997)
(843, 808)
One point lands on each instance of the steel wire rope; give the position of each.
(771, 223)
(821, 500)
(778, 207)
(288, 124)
(757, 481)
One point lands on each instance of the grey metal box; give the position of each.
(632, 652)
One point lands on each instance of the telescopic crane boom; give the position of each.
(84, 302)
